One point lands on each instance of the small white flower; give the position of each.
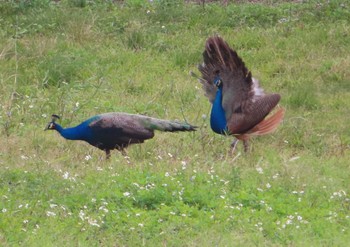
(163, 27)
(4, 210)
(167, 174)
(25, 221)
(24, 157)
(299, 217)
(140, 225)
(88, 157)
(126, 194)
(49, 213)
(148, 11)
(81, 215)
(53, 205)
(65, 175)
(268, 185)
(137, 215)
(44, 115)
(259, 170)
(77, 104)
(93, 222)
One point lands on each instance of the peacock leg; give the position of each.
(124, 153)
(108, 153)
(233, 145)
(246, 145)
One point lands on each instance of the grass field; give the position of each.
(78, 58)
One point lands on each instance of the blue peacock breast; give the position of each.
(218, 121)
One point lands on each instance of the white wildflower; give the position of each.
(126, 194)
(259, 170)
(93, 222)
(88, 157)
(65, 175)
(49, 213)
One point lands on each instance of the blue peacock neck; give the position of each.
(70, 133)
(217, 116)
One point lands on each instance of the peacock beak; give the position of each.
(49, 126)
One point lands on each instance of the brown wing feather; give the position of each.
(269, 124)
(252, 113)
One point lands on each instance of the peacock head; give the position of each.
(218, 81)
(52, 125)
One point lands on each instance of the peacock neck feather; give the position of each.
(217, 117)
(80, 132)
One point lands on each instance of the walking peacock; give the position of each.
(116, 130)
(239, 104)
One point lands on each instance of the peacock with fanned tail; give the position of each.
(239, 105)
(116, 130)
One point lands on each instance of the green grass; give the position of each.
(80, 58)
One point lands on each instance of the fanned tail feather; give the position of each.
(269, 124)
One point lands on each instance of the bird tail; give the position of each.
(170, 126)
(269, 124)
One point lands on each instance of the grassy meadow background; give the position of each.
(79, 58)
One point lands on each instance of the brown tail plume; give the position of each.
(269, 124)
